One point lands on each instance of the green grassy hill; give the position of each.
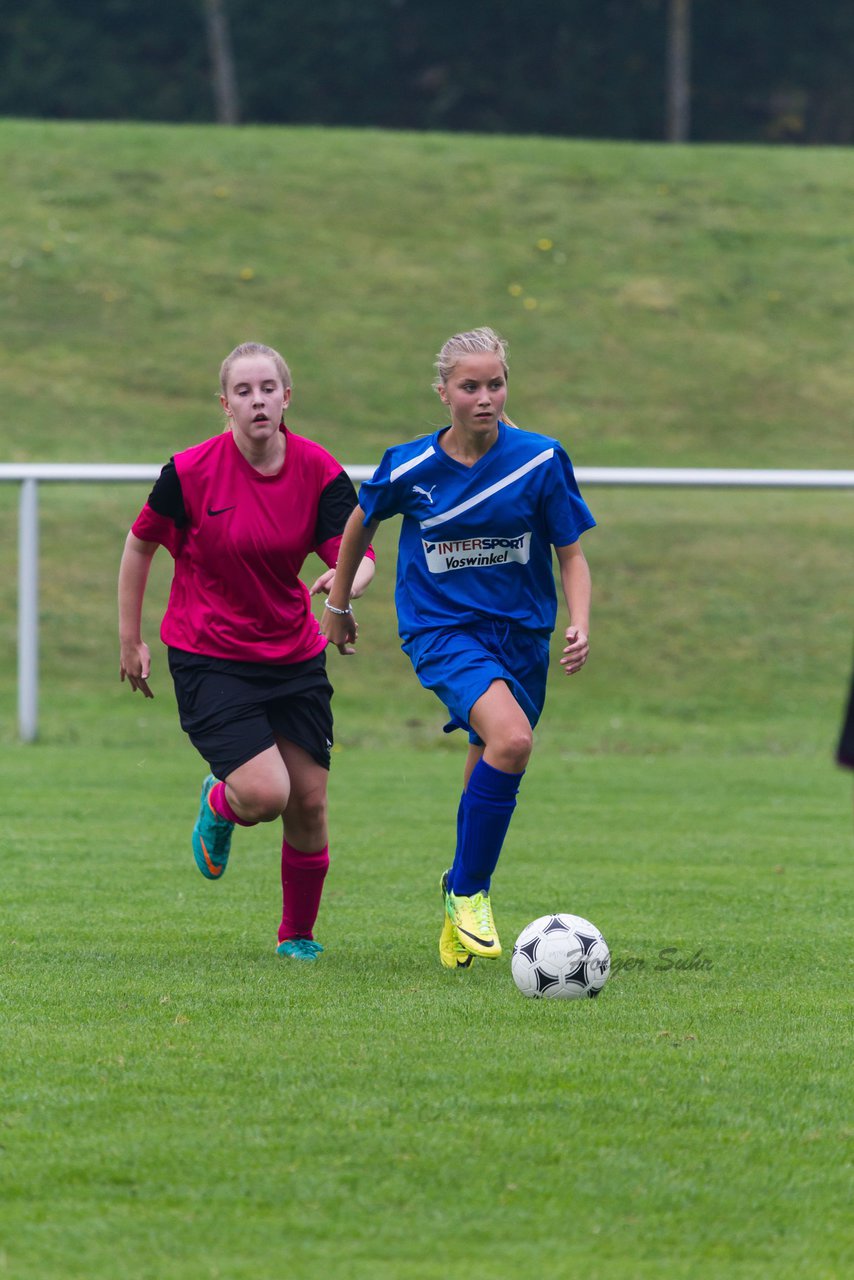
(686, 305)
(674, 306)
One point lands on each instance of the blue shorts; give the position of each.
(460, 665)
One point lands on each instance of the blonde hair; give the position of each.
(254, 349)
(476, 342)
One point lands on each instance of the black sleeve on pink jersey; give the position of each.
(166, 497)
(337, 500)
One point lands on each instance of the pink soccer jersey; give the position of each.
(239, 541)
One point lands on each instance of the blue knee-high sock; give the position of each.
(483, 817)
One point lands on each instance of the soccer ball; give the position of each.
(561, 956)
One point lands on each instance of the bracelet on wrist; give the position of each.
(342, 613)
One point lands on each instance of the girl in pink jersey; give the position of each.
(239, 514)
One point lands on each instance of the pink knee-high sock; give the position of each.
(219, 804)
(302, 886)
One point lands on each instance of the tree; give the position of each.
(678, 70)
(222, 62)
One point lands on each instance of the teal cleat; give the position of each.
(299, 948)
(211, 836)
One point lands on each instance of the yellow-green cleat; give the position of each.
(451, 951)
(473, 924)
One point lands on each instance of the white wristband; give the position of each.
(342, 613)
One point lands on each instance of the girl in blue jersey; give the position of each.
(483, 504)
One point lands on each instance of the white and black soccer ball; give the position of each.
(563, 957)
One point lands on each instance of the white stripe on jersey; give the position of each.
(413, 462)
(477, 498)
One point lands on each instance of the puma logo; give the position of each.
(428, 493)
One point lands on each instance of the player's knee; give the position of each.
(264, 801)
(514, 749)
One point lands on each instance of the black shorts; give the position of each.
(232, 711)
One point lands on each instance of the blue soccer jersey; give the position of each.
(476, 542)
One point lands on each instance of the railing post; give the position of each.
(28, 611)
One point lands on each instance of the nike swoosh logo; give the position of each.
(220, 510)
(481, 942)
(212, 867)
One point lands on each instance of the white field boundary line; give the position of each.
(30, 474)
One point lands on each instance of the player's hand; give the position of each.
(323, 584)
(575, 651)
(342, 630)
(135, 667)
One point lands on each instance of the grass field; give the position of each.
(176, 1102)
(180, 1103)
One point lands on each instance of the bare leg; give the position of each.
(305, 815)
(260, 789)
(498, 719)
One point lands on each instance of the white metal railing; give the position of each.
(30, 474)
